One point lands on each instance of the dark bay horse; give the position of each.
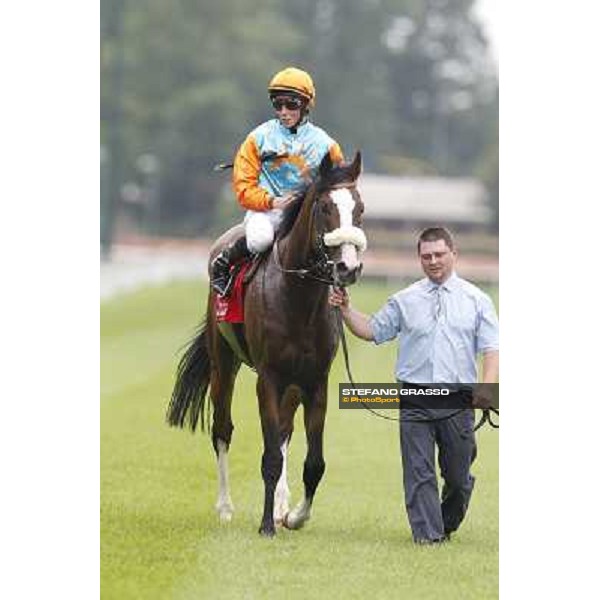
(290, 337)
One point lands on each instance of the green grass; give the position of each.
(160, 537)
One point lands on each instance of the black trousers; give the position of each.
(431, 516)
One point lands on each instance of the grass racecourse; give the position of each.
(160, 537)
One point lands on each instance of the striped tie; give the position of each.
(437, 302)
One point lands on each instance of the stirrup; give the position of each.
(222, 286)
(221, 278)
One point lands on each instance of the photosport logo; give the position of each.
(406, 395)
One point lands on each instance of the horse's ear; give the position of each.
(356, 166)
(326, 165)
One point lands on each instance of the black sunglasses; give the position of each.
(289, 103)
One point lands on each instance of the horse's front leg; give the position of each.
(272, 460)
(315, 408)
(286, 421)
(282, 491)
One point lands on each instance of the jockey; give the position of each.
(277, 159)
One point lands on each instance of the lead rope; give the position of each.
(485, 417)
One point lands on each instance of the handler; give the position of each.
(442, 323)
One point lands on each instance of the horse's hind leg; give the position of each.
(222, 378)
(315, 408)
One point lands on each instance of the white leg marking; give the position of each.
(282, 491)
(224, 505)
(297, 517)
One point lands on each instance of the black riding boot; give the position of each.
(222, 281)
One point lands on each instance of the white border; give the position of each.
(49, 245)
(549, 299)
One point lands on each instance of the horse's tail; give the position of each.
(193, 378)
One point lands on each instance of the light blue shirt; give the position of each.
(440, 329)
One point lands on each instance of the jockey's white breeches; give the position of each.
(261, 227)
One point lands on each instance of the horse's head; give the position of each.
(339, 210)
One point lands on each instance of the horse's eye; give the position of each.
(326, 209)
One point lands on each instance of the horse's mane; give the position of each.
(290, 213)
(336, 176)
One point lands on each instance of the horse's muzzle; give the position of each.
(343, 275)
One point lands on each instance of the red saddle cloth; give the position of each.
(231, 309)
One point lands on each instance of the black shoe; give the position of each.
(434, 541)
(222, 279)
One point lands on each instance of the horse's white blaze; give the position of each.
(350, 256)
(297, 517)
(345, 203)
(282, 491)
(346, 233)
(224, 505)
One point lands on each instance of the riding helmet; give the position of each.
(294, 81)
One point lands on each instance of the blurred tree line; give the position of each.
(409, 82)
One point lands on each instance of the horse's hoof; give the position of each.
(225, 516)
(224, 511)
(267, 531)
(291, 523)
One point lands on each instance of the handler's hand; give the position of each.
(283, 201)
(484, 397)
(339, 297)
